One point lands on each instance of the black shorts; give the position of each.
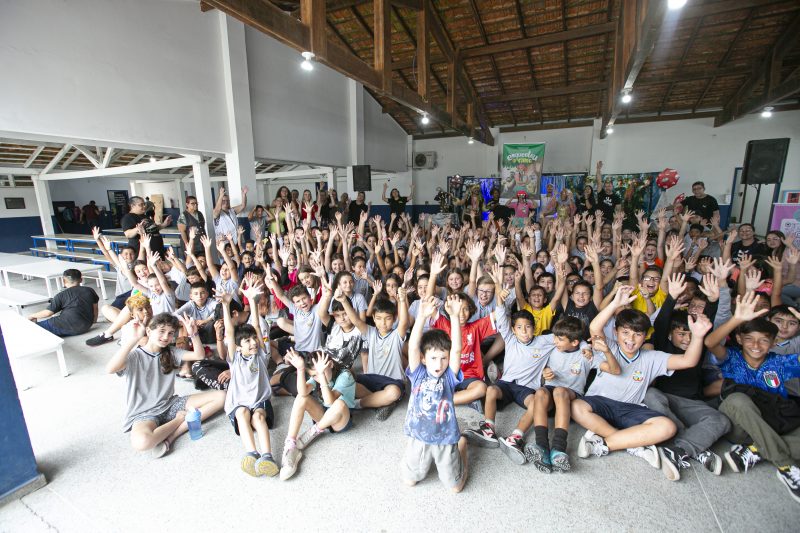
(466, 383)
(268, 412)
(512, 393)
(376, 382)
(119, 301)
(621, 415)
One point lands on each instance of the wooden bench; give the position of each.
(17, 298)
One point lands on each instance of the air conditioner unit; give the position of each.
(424, 159)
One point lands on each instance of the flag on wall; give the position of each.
(521, 169)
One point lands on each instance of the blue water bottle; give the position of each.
(194, 423)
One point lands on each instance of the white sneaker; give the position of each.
(308, 435)
(648, 453)
(291, 458)
(491, 372)
(592, 444)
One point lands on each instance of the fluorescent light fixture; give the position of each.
(425, 118)
(307, 64)
(676, 4)
(152, 159)
(471, 141)
(609, 130)
(626, 98)
(766, 113)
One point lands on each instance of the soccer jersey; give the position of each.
(431, 416)
(641, 305)
(543, 317)
(770, 376)
(249, 384)
(472, 333)
(385, 353)
(523, 362)
(307, 329)
(636, 374)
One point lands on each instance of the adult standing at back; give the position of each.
(136, 220)
(397, 203)
(608, 201)
(192, 218)
(357, 207)
(226, 219)
(72, 311)
(703, 205)
(90, 214)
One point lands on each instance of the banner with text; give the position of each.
(521, 169)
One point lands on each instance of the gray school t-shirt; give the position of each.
(790, 347)
(572, 368)
(385, 353)
(523, 363)
(123, 283)
(637, 374)
(148, 389)
(356, 300)
(307, 329)
(183, 286)
(249, 384)
(161, 303)
(229, 285)
(198, 313)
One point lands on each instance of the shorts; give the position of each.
(466, 383)
(621, 415)
(176, 404)
(376, 382)
(119, 301)
(512, 393)
(266, 405)
(551, 388)
(418, 457)
(48, 325)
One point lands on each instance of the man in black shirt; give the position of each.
(607, 200)
(136, 217)
(76, 307)
(356, 208)
(703, 205)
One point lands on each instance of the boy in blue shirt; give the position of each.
(434, 368)
(754, 395)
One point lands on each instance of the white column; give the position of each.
(240, 161)
(355, 94)
(202, 190)
(134, 188)
(45, 205)
(179, 196)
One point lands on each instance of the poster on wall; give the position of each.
(118, 205)
(786, 218)
(521, 169)
(637, 191)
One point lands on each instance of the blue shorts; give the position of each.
(376, 382)
(119, 301)
(466, 383)
(52, 328)
(512, 393)
(268, 412)
(621, 415)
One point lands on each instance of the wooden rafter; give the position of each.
(382, 17)
(548, 93)
(524, 32)
(686, 49)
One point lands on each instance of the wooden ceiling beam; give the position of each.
(423, 52)
(640, 25)
(716, 8)
(413, 40)
(548, 93)
(686, 49)
(519, 44)
(521, 21)
(740, 104)
(312, 14)
(335, 5)
(382, 43)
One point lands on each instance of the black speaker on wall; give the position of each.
(362, 178)
(764, 161)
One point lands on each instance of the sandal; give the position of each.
(161, 449)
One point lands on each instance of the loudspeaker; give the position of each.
(764, 161)
(362, 178)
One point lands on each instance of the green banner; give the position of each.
(521, 169)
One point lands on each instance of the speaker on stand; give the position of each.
(764, 162)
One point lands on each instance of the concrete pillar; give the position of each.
(355, 94)
(202, 188)
(240, 161)
(45, 205)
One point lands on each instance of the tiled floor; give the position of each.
(345, 482)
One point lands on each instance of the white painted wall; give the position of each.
(384, 140)
(18, 192)
(132, 73)
(82, 191)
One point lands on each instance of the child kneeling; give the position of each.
(434, 368)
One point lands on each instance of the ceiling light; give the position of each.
(152, 159)
(626, 98)
(471, 141)
(676, 4)
(307, 64)
(425, 118)
(609, 130)
(767, 112)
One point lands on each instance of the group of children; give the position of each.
(652, 340)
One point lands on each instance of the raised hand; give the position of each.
(710, 287)
(223, 296)
(752, 279)
(96, 233)
(295, 359)
(453, 306)
(321, 363)
(377, 286)
(746, 307)
(206, 242)
(624, 296)
(252, 292)
(676, 285)
(721, 269)
(189, 324)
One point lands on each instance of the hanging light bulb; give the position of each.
(307, 64)
(609, 130)
(626, 98)
(676, 4)
(767, 112)
(425, 118)
(471, 141)
(152, 159)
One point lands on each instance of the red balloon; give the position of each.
(667, 178)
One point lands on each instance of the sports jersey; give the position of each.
(524, 362)
(770, 376)
(472, 333)
(571, 368)
(249, 385)
(543, 317)
(636, 374)
(385, 353)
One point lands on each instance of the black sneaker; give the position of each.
(742, 458)
(484, 436)
(539, 457)
(512, 447)
(711, 461)
(99, 340)
(382, 413)
(790, 476)
(673, 460)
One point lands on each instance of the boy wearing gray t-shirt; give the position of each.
(247, 403)
(308, 324)
(612, 410)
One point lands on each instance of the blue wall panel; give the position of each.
(15, 233)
